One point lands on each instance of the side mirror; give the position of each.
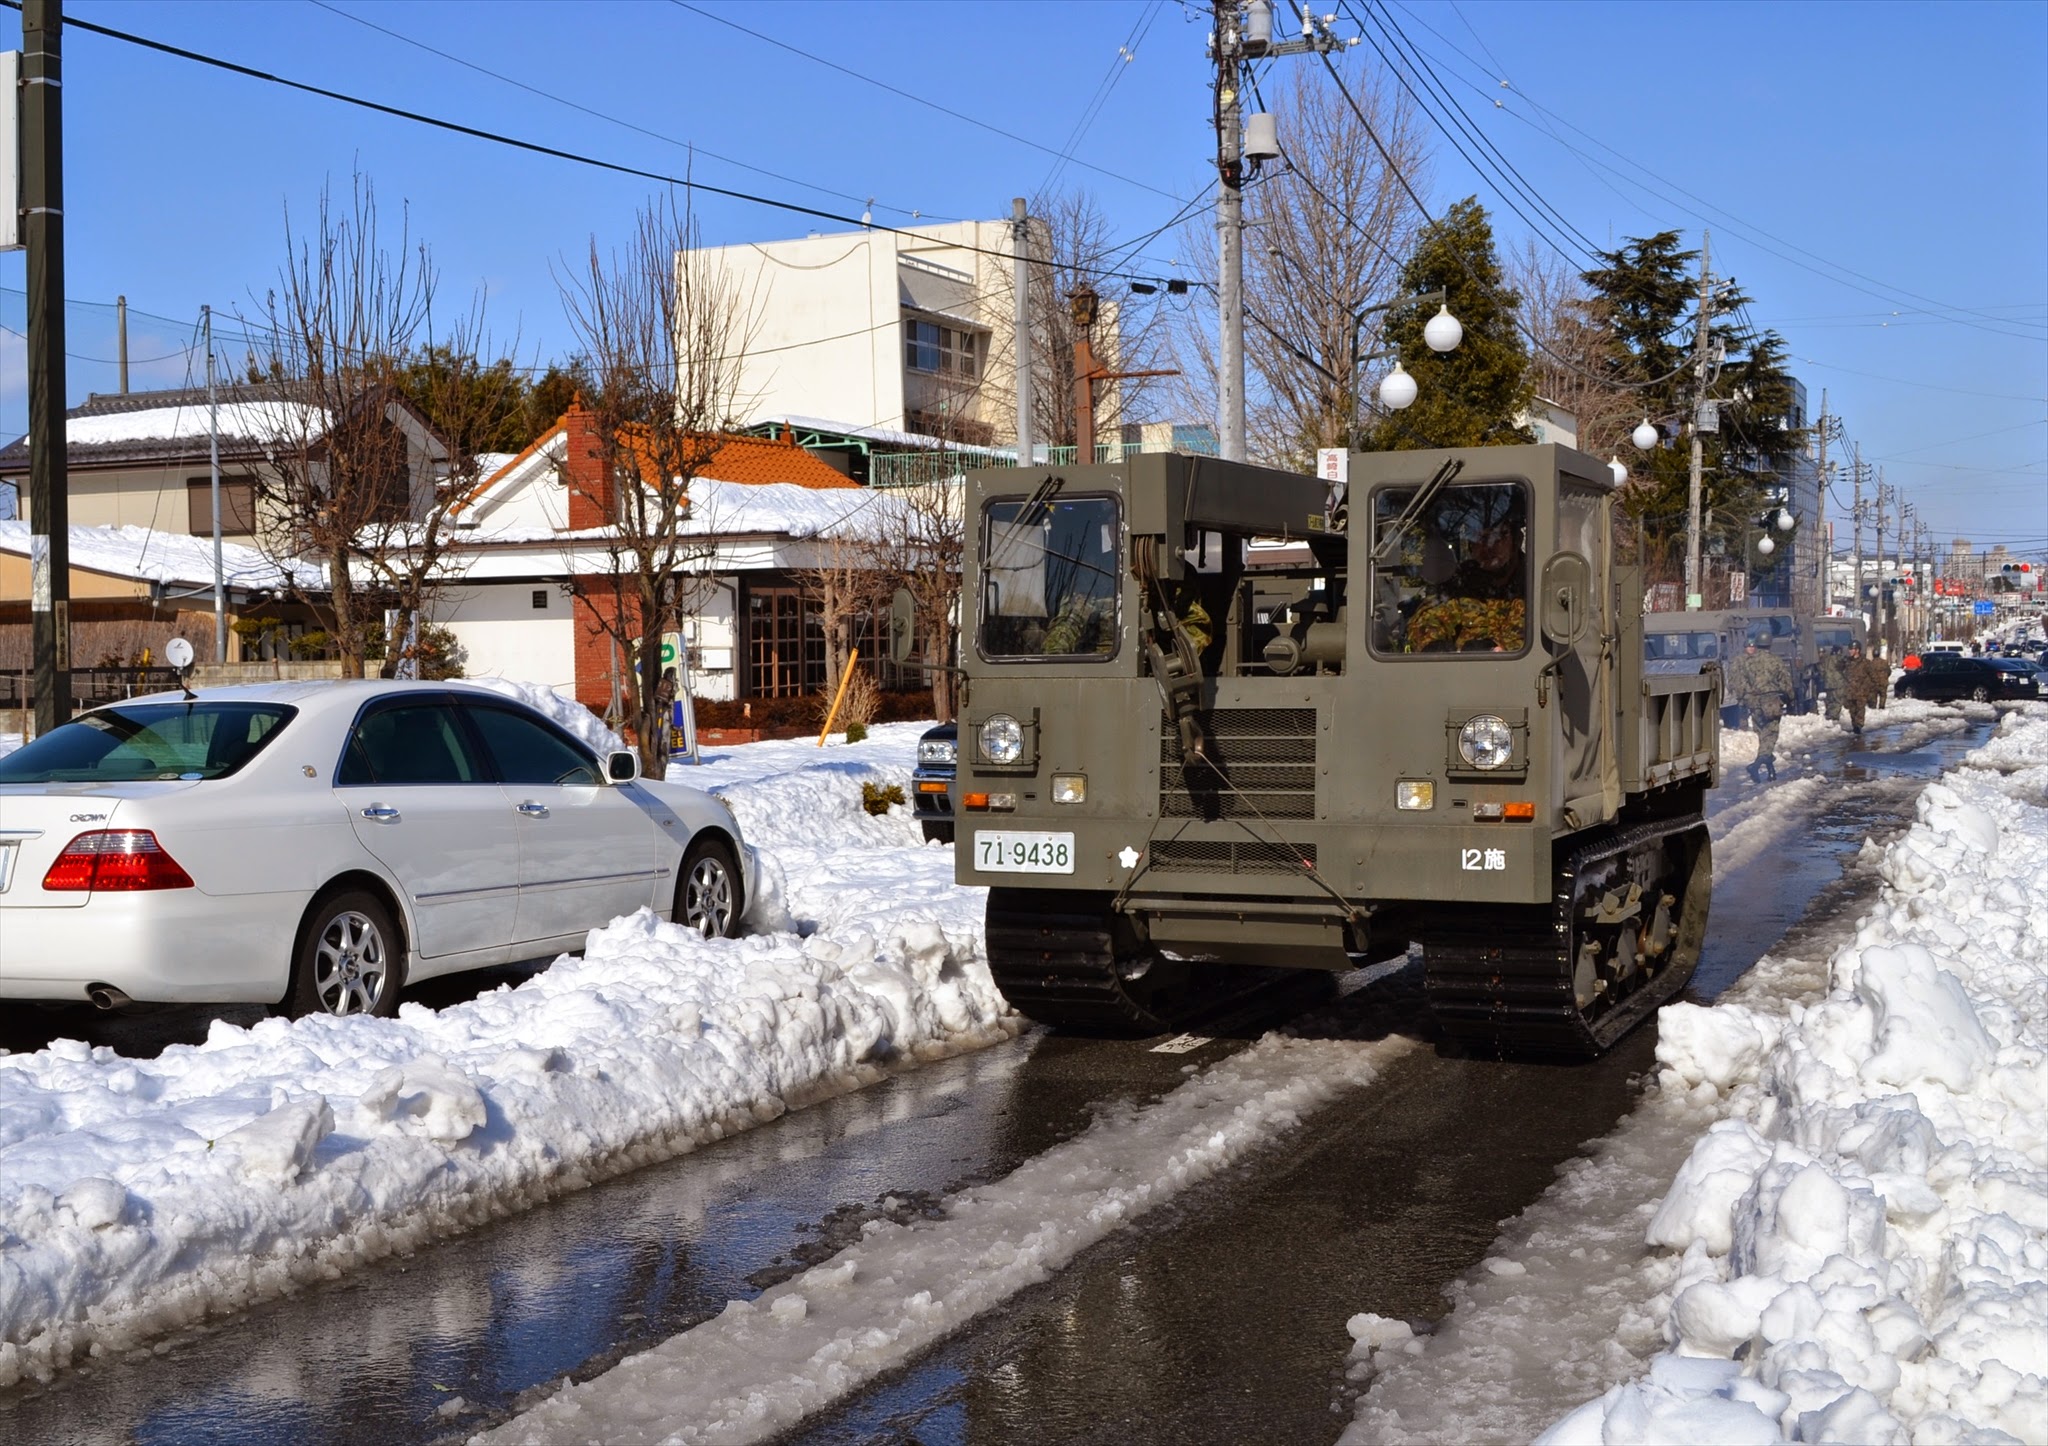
(902, 624)
(622, 766)
(1565, 599)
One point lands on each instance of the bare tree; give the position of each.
(351, 478)
(1574, 352)
(918, 541)
(1327, 229)
(664, 329)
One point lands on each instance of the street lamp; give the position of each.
(1620, 472)
(1397, 389)
(1645, 435)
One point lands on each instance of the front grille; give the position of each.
(1204, 856)
(1266, 758)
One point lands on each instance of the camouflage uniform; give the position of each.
(1834, 680)
(1763, 685)
(1866, 683)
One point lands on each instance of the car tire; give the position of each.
(710, 894)
(1980, 694)
(350, 958)
(938, 833)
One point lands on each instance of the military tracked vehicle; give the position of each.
(1223, 720)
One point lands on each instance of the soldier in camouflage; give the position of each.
(1866, 682)
(1834, 680)
(1763, 685)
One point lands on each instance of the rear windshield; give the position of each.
(1691, 646)
(129, 742)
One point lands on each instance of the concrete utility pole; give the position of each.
(1823, 582)
(1229, 53)
(121, 326)
(1020, 281)
(1694, 600)
(1244, 31)
(220, 606)
(1877, 605)
(1856, 480)
(42, 204)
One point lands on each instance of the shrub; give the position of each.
(856, 732)
(878, 799)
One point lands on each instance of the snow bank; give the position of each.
(1858, 1248)
(137, 1196)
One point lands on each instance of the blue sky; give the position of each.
(1875, 175)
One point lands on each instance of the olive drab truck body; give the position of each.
(1222, 716)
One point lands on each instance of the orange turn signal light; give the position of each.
(931, 786)
(975, 800)
(1519, 813)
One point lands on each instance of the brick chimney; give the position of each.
(583, 469)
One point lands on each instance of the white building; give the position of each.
(907, 332)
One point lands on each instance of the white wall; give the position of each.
(506, 636)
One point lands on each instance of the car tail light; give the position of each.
(116, 860)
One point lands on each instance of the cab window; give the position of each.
(1451, 576)
(1049, 573)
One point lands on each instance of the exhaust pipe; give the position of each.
(106, 996)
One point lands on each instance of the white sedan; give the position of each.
(318, 845)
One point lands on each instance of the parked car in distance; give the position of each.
(1948, 677)
(938, 753)
(2024, 671)
(317, 846)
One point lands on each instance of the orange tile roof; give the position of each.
(743, 459)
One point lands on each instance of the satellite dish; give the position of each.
(178, 653)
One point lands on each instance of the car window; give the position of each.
(128, 742)
(527, 750)
(1783, 627)
(416, 743)
(1453, 577)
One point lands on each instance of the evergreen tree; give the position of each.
(1647, 299)
(1474, 395)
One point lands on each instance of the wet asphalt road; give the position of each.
(1220, 1319)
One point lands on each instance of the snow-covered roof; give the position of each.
(906, 441)
(164, 557)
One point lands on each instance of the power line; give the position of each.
(1511, 178)
(536, 147)
(1126, 56)
(692, 147)
(917, 99)
(1889, 292)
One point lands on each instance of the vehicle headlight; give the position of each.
(938, 750)
(1002, 739)
(1486, 741)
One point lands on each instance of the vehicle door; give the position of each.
(422, 800)
(587, 852)
(1945, 677)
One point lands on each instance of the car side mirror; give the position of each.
(1565, 597)
(622, 765)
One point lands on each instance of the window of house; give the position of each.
(237, 506)
(944, 350)
(786, 642)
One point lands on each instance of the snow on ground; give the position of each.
(762, 1365)
(137, 1196)
(1828, 1220)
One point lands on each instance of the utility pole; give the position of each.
(1244, 31)
(1823, 582)
(121, 326)
(1020, 281)
(220, 607)
(1693, 598)
(1877, 606)
(1856, 480)
(42, 204)
(1229, 54)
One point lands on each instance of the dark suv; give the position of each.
(1947, 677)
(930, 786)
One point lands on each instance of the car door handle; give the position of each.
(534, 810)
(383, 813)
